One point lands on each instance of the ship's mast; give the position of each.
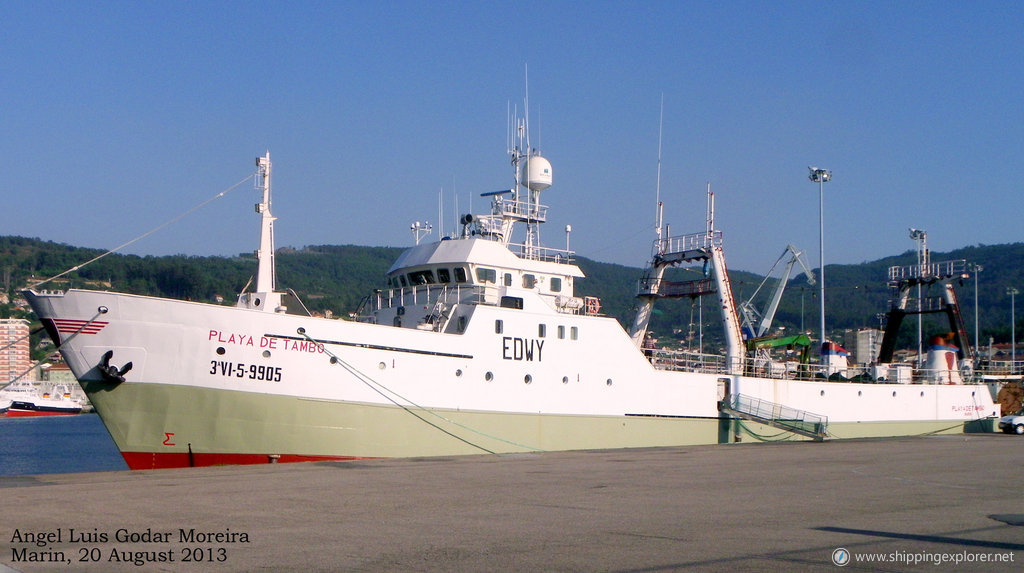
(265, 279)
(265, 298)
(532, 174)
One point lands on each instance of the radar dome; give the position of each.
(536, 173)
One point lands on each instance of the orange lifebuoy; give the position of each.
(593, 305)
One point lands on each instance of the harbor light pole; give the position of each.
(975, 269)
(1013, 329)
(921, 237)
(820, 176)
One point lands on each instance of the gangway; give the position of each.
(799, 422)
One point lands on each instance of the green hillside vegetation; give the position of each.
(335, 278)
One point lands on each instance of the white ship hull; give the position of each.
(477, 345)
(213, 384)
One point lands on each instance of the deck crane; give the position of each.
(756, 325)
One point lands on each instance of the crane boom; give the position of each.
(757, 324)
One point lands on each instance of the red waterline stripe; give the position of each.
(154, 460)
(36, 413)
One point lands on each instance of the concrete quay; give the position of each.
(953, 500)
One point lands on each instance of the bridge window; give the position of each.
(512, 302)
(529, 281)
(460, 275)
(486, 275)
(443, 276)
(556, 284)
(421, 277)
(402, 278)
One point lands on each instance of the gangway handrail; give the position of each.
(779, 416)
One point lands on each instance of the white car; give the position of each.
(1013, 423)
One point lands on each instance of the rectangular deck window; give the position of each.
(512, 302)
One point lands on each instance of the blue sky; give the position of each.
(118, 116)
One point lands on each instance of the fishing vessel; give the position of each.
(476, 343)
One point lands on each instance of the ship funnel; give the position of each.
(942, 364)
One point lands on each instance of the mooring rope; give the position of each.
(377, 386)
(147, 233)
(99, 312)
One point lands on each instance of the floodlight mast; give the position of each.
(820, 176)
(923, 262)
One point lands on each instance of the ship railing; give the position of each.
(524, 210)
(926, 304)
(940, 270)
(687, 243)
(675, 289)
(686, 361)
(423, 295)
(691, 361)
(993, 367)
(546, 254)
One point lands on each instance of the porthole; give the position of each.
(565, 379)
(922, 393)
(458, 373)
(334, 359)
(220, 350)
(527, 379)
(859, 393)
(608, 382)
(382, 366)
(266, 354)
(893, 393)
(489, 376)
(822, 392)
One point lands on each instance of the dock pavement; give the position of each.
(936, 503)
